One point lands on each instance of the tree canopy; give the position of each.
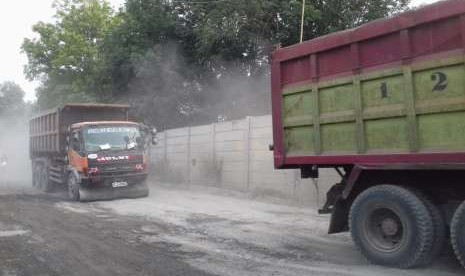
(11, 100)
(178, 62)
(67, 55)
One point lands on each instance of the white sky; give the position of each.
(16, 20)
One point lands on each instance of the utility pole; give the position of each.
(302, 22)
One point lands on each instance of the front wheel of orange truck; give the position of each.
(457, 233)
(73, 188)
(392, 226)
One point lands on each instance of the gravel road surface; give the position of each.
(176, 231)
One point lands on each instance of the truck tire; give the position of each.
(36, 176)
(146, 191)
(457, 233)
(73, 188)
(439, 227)
(44, 181)
(391, 226)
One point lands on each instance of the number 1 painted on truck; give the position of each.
(384, 92)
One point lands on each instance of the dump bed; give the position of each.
(390, 91)
(47, 129)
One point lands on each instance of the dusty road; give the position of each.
(176, 232)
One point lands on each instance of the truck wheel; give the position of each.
(36, 176)
(146, 190)
(439, 227)
(457, 233)
(391, 226)
(73, 188)
(44, 181)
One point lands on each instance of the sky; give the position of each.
(16, 20)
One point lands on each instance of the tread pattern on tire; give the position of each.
(457, 224)
(439, 226)
(75, 197)
(424, 219)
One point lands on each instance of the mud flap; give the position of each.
(339, 217)
(337, 207)
(331, 197)
(105, 193)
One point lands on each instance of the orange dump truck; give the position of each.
(93, 149)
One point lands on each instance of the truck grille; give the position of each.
(118, 169)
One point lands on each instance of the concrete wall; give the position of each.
(234, 155)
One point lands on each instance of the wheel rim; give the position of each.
(384, 230)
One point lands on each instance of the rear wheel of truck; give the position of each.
(44, 181)
(73, 188)
(439, 227)
(36, 176)
(391, 226)
(457, 233)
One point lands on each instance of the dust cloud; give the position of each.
(170, 92)
(14, 149)
(167, 91)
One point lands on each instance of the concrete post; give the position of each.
(213, 151)
(189, 168)
(165, 147)
(247, 151)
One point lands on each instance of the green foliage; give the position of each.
(67, 55)
(178, 62)
(230, 34)
(142, 26)
(11, 100)
(338, 15)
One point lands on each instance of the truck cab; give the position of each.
(92, 149)
(107, 158)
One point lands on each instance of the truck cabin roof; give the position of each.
(103, 123)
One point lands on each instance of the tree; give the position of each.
(179, 62)
(66, 56)
(339, 15)
(143, 25)
(11, 100)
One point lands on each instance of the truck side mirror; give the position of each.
(75, 143)
(140, 142)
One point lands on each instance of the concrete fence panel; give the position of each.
(235, 155)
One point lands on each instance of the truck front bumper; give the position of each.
(101, 188)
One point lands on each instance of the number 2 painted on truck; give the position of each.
(441, 81)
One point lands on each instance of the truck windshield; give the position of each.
(111, 138)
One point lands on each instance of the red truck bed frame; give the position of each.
(402, 39)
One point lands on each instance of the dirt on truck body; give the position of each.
(92, 148)
(383, 104)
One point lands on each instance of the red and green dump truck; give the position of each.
(92, 149)
(384, 105)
